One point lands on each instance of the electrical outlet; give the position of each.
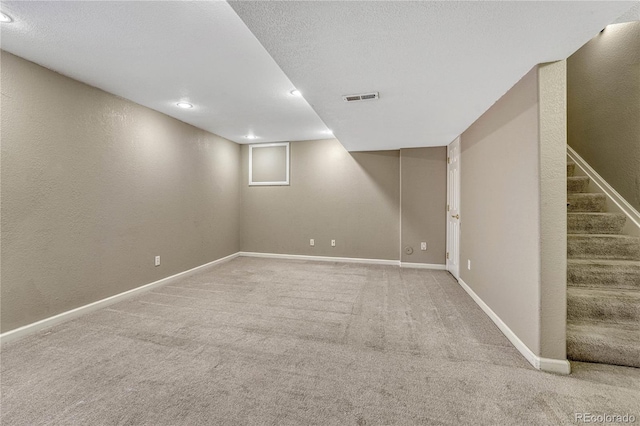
(157, 260)
(423, 246)
(468, 264)
(312, 242)
(333, 243)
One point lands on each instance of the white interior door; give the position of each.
(453, 208)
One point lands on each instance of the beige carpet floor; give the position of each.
(276, 342)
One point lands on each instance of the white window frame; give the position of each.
(268, 145)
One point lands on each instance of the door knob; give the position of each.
(456, 216)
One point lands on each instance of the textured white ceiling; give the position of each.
(158, 53)
(437, 65)
(632, 14)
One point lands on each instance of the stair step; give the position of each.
(597, 246)
(611, 306)
(623, 274)
(577, 183)
(595, 223)
(571, 168)
(608, 344)
(586, 202)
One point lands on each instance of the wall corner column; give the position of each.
(552, 84)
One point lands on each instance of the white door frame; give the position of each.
(453, 208)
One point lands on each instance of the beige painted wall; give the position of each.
(513, 209)
(552, 104)
(333, 194)
(424, 200)
(94, 186)
(603, 88)
(500, 209)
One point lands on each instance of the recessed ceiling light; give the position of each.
(327, 132)
(5, 18)
(251, 137)
(185, 105)
(295, 92)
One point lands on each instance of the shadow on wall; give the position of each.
(371, 163)
(518, 107)
(603, 107)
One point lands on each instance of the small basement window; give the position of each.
(269, 164)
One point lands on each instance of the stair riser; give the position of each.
(586, 203)
(571, 169)
(594, 224)
(586, 247)
(603, 276)
(614, 310)
(601, 353)
(577, 184)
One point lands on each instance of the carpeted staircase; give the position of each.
(603, 278)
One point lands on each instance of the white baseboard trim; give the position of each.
(632, 214)
(320, 258)
(438, 266)
(558, 366)
(74, 313)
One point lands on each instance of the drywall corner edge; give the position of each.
(28, 329)
(552, 175)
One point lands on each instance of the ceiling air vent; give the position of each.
(361, 97)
